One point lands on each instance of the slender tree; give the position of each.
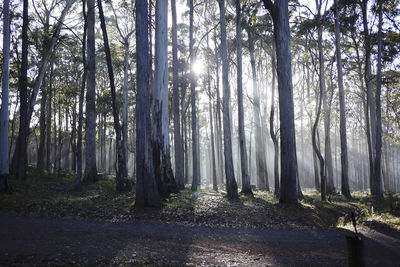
(271, 125)
(175, 84)
(342, 103)
(20, 156)
(122, 182)
(280, 16)
(90, 130)
(4, 185)
(81, 98)
(376, 185)
(161, 148)
(231, 186)
(195, 180)
(246, 188)
(146, 187)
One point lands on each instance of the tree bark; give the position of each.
(280, 16)
(343, 138)
(231, 186)
(4, 171)
(81, 97)
(376, 181)
(246, 187)
(90, 129)
(193, 101)
(177, 123)
(370, 91)
(19, 160)
(122, 183)
(146, 187)
(271, 125)
(260, 162)
(161, 148)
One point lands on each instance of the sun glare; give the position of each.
(198, 67)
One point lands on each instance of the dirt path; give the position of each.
(44, 241)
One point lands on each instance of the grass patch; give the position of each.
(47, 195)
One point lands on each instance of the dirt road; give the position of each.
(46, 241)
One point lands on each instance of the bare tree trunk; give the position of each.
(161, 147)
(48, 121)
(146, 188)
(246, 188)
(322, 98)
(193, 101)
(260, 163)
(370, 92)
(218, 114)
(177, 126)
(343, 139)
(19, 160)
(271, 125)
(280, 16)
(214, 168)
(4, 171)
(376, 181)
(231, 186)
(122, 183)
(90, 131)
(42, 121)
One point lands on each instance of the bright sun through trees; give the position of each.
(179, 105)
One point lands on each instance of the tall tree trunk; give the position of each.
(271, 125)
(42, 122)
(122, 183)
(81, 97)
(343, 139)
(213, 158)
(246, 188)
(260, 163)
(370, 91)
(125, 105)
(231, 186)
(161, 148)
(4, 172)
(322, 98)
(280, 16)
(218, 113)
(376, 181)
(193, 101)
(90, 130)
(177, 124)
(146, 187)
(19, 160)
(48, 120)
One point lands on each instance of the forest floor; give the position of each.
(47, 222)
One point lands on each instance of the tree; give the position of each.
(280, 17)
(262, 180)
(271, 125)
(246, 187)
(342, 103)
(4, 185)
(90, 130)
(125, 36)
(376, 185)
(19, 166)
(81, 96)
(161, 149)
(179, 176)
(146, 187)
(231, 186)
(19, 160)
(122, 183)
(195, 180)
